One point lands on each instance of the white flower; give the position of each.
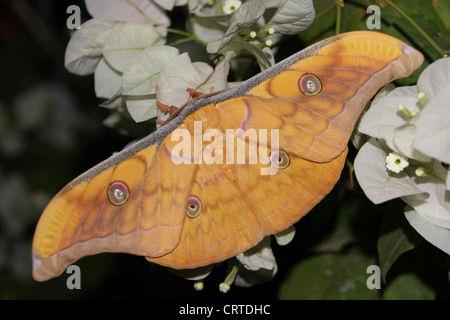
(259, 264)
(432, 136)
(425, 194)
(258, 257)
(412, 123)
(284, 237)
(396, 162)
(231, 5)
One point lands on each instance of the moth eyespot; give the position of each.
(193, 207)
(309, 84)
(280, 159)
(118, 193)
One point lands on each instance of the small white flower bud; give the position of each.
(423, 171)
(198, 285)
(404, 111)
(423, 101)
(224, 287)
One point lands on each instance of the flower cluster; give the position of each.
(136, 71)
(408, 154)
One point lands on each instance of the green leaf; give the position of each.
(292, 17)
(408, 286)
(396, 237)
(442, 8)
(324, 22)
(343, 232)
(353, 18)
(425, 16)
(330, 276)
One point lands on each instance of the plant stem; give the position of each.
(189, 37)
(219, 8)
(180, 32)
(418, 28)
(324, 11)
(232, 274)
(173, 44)
(338, 18)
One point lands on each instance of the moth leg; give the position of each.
(165, 108)
(172, 110)
(194, 94)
